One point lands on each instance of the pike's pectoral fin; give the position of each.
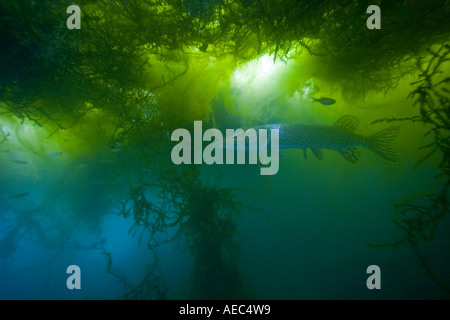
(318, 153)
(347, 122)
(350, 155)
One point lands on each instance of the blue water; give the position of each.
(303, 234)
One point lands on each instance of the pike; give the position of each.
(340, 137)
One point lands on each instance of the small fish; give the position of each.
(19, 195)
(19, 161)
(54, 155)
(325, 101)
(82, 165)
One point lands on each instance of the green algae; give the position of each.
(139, 69)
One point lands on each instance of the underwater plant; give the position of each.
(203, 217)
(138, 69)
(210, 233)
(53, 75)
(432, 98)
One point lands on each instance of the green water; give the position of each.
(87, 179)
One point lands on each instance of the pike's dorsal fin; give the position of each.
(318, 153)
(347, 122)
(350, 155)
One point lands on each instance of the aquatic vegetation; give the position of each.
(93, 109)
(432, 98)
(148, 217)
(151, 287)
(59, 76)
(203, 217)
(210, 232)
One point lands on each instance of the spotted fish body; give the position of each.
(339, 137)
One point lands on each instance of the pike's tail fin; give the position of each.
(380, 143)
